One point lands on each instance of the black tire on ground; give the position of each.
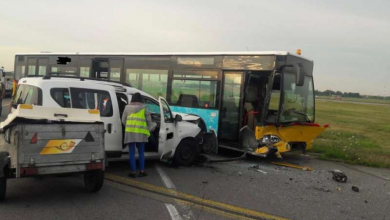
(186, 152)
(93, 180)
(3, 187)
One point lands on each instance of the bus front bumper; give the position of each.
(277, 140)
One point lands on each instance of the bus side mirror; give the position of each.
(299, 75)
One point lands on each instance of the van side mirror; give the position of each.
(299, 74)
(178, 118)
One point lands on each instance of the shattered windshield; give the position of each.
(298, 101)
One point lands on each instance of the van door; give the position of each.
(167, 130)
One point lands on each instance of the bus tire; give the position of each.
(186, 152)
(93, 180)
(3, 187)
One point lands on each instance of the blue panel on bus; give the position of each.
(210, 116)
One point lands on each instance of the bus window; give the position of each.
(20, 71)
(194, 93)
(150, 81)
(32, 64)
(230, 109)
(195, 74)
(84, 72)
(85, 67)
(274, 102)
(63, 70)
(115, 69)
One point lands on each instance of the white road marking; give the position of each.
(173, 212)
(169, 184)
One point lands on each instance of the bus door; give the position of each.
(231, 107)
(108, 69)
(100, 68)
(37, 66)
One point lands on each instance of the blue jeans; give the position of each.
(141, 156)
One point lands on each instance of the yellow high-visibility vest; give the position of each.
(136, 123)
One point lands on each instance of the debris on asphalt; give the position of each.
(205, 181)
(355, 189)
(321, 189)
(293, 166)
(239, 173)
(365, 201)
(339, 188)
(257, 168)
(291, 179)
(339, 176)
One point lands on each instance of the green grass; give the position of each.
(358, 134)
(367, 100)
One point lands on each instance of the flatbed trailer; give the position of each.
(61, 141)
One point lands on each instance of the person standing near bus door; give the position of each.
(138, 124)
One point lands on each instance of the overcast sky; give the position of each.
(348, 40)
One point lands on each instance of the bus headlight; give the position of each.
(270, 139)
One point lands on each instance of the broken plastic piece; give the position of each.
(339, 176)
(293, 166)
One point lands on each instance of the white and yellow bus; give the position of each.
(261, 103)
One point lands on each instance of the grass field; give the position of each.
(358, 133)
(367, 100)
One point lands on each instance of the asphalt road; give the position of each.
(248, 189)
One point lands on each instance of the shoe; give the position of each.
(142, 174)
(131, 175)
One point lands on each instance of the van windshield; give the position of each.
(27, 94)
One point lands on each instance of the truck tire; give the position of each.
(93, 180)
(186, 153)
(3, 187)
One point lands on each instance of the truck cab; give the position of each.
(178, 137)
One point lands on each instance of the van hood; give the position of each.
(187, 117)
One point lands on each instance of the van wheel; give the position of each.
(3, 187)
(93, 180)
(186, 152)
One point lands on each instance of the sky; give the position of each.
(347, 40)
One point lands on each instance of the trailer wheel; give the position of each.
(3, 187)
(93, 180)
(186, 152)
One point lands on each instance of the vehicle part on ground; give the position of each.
(355, 189)
(339, 176)
(186, 152)
(93, 180)
(304, 168)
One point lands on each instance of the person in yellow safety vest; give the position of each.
(138, 124)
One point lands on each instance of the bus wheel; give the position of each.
(3, 187)
(186, 152)
(93, 180)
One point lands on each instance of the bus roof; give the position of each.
(247, 53)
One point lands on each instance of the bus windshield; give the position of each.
(298, 101)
